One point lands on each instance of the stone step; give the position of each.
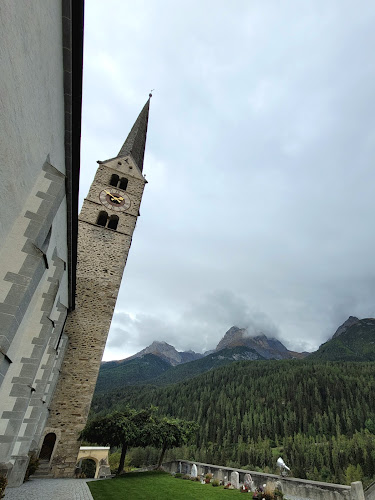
(42, 473)
(44, 470)
(46, 476)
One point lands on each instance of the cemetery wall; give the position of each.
(291, 487)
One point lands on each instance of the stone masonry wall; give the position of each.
(102, 255)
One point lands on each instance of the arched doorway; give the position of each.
(47, 447)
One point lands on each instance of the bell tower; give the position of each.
(105, 229)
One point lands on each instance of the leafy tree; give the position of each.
(123, 429)
(171, 433)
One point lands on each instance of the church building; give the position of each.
(55, 308)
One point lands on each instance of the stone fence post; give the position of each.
(356, 491)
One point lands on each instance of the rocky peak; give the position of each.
(163, 350)
(352, 320)
(168, 353)
(234, 336)
(269, 348)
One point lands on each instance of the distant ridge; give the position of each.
(160, 363)
(152, 369)
(354, 340)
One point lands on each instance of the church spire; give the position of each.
(136, 141)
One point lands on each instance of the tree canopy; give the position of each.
(123, 429)
(138, 428)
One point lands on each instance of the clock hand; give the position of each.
(114, 197)
(117, 198)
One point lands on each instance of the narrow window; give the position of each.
(113, 221)
(114, 180)
(123, 183)
(102, 218)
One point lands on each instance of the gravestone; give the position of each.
(220, 475)
(235, 480)
(248, 482)
(194, 471)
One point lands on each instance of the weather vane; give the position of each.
(151, 91)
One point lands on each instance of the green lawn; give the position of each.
(155, 486)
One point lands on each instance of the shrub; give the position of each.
(3, 485)
(178, 474)
(215, 482)
(114, 461)
(88, 467)
(186, 476)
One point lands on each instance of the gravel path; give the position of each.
(50, 489)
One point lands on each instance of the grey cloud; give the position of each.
(259, 159)
(200, 327)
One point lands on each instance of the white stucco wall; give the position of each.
(31, 99)
(32, 201)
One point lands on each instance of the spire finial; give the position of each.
(150, 94)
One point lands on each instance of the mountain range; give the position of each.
(161, 364)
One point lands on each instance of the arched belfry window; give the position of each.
(102, 219)
(113, 221)
(123, 183)
(114, 180)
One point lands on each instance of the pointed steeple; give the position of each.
(136, 141)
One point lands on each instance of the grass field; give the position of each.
(156, 486)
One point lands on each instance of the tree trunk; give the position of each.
(162, 455)
(122, 459)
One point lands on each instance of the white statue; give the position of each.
(194, 471)
(282, 466)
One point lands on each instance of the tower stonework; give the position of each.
(105, 228)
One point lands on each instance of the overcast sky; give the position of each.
(259, 211)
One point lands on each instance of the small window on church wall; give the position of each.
(102, 218)
(114, 180)
(113, 221)
(123, 183)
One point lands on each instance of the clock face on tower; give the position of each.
(115, 200)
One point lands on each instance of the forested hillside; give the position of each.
(319, 415)
(151, 369)
(115, 374)
(355, 343)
